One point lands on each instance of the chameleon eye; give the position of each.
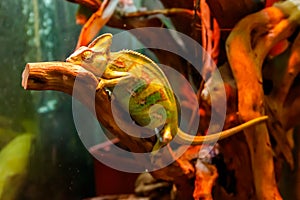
(87, 56)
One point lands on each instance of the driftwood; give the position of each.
(247, 47)
(60, 76)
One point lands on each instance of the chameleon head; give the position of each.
(93, 58)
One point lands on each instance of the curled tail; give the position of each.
(185, 138)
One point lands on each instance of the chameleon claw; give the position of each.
(100, 86)
(167, 137)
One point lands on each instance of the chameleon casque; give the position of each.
(147, 85)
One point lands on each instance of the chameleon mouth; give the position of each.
(69, 59)
(73, 61)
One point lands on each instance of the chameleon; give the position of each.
(148, 87)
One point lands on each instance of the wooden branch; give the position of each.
(54, 75)
(291, 109)
(206, 175)
(61, 76)
(91, 4)
(247, 52)
(246, 57)
(282, 100)
(167, 12)
(290, 74)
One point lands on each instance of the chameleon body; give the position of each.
(148, 87)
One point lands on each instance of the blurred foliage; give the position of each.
(14, 159)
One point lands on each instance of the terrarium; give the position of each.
(156, 99)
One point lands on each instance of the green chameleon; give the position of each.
(149, 89)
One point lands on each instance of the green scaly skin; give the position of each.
(147, 86)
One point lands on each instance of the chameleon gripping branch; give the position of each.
(147, 85)
(60, 76)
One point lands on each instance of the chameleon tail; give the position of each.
(185, 138)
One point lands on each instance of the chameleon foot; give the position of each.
(100, 86)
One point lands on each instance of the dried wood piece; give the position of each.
(167, 12)
(210, 39)
(60, 76)
(206, 174)
(247, 46)
(91, 4)
(146, 185)
(290, 74)
(96, 22)
(247, 56)
(285, 115)
(291, 111)
(216, 36)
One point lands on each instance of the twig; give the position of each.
(168, 12)
(92, 4)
